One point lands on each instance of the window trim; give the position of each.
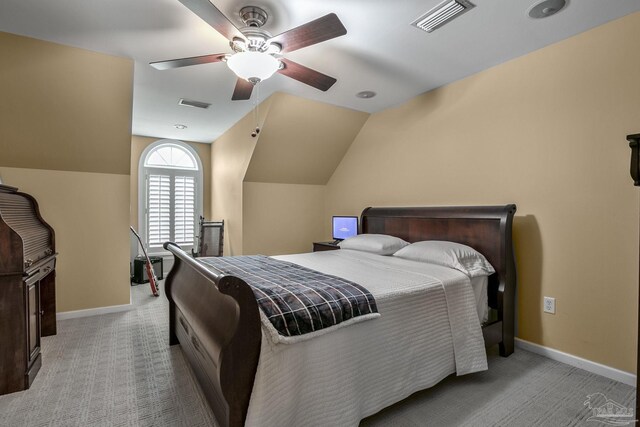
(170, 144)
(142, 188)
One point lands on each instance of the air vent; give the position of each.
(441, 14)
(196, 104)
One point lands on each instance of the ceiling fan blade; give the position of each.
(317, 31)
(242, 91)
(212, 16)
(306, 75)
(185, 62)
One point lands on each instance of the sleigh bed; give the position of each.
(249, 380)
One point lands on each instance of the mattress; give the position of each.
(429, 328)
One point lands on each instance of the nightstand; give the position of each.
(325, 246)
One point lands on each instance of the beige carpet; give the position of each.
(522, 390)
(118, 370)
(111, 370)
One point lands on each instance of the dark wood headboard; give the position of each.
(487, 229)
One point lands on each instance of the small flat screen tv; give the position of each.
(344, 227)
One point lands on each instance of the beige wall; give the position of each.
(302, 141)
(282, 218)
(270, 189)
(63, 108)
(138, 144)
(230, 156)
(65, 135)
(547, 132)
(89, 214)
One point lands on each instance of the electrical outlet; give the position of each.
(549, 305)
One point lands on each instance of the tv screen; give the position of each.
(344, 226)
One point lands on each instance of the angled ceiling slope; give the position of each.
(381, 50)
(302, 141)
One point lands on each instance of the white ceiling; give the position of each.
(381, 51)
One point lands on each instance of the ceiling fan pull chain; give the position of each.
(256, 103)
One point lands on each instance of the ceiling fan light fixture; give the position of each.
(253, 66)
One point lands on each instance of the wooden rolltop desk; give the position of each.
(27, 288)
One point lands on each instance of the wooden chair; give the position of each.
(210, 239)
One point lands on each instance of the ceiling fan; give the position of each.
(257, 55)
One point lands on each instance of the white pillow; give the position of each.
(448, 254)
(380, 244)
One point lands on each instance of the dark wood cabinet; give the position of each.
(33, 332)
(48, 301)
(325, 246)
(634, 143)
(33, 325)
(27, 288)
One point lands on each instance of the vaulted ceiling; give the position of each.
(302, 141)
(381, 51)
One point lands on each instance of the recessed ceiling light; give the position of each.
(179, 126)
(546, 8)
(366, 94)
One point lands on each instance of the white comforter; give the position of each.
(428, 329)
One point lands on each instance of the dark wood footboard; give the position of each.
(215, 318)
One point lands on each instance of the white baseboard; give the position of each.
(593, 367)
(94, 311)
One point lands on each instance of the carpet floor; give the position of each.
(118, 370)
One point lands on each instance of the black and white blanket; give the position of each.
(297, 300)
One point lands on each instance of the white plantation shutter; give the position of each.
(184, 210)
(171, 191)
(159, 209)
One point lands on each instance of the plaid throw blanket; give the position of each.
(296, 299)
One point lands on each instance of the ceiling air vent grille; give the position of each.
(196, 104)
(441, 14)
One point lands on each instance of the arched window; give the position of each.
(170, 188)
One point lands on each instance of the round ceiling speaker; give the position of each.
(366, 94)
(546, 8)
